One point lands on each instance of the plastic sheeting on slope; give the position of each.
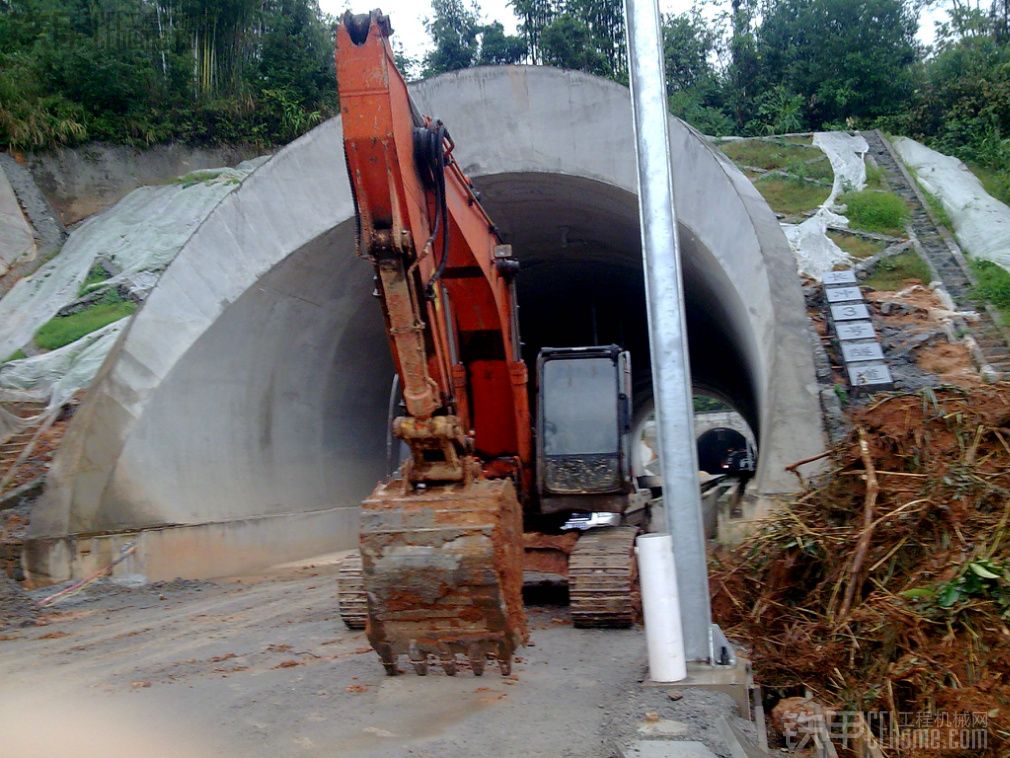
(981, 222)
(137, 236)
(815, 252)
(846, 153)
(55, 376)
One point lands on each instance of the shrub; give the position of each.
(874, 211)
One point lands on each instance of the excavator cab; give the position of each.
(589, 510)
(584, 425)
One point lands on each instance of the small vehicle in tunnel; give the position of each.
(482, 495)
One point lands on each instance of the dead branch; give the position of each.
(859, 557)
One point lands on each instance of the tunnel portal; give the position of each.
(240, 419)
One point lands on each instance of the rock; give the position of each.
(793, 716)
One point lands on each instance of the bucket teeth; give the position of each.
(442, 568)
(477, 659)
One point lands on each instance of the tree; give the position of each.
(694, 85)
(567, 42)
(742, 72)
(453, 31)
(498, 48)
(145, 71)
(845, 58)
(534, 16)
(688, 46)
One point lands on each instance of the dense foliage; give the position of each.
(146, 71)
(142, 71)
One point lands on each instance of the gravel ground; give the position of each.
(263, 667)
(650, 713)
(16, 607)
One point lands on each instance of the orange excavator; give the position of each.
(483, 495)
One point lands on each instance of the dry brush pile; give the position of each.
(885, 586)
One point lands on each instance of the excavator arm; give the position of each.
(441, 542)
(445, 281)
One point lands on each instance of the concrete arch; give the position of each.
(240, 418)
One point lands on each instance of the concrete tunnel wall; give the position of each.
(240, 419)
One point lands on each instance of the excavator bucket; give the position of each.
(443, 572)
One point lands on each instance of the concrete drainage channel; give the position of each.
(938, 248)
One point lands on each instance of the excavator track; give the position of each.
(351, 593)
(603, 578)
(443, 569)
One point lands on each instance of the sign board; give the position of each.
(834, 278)
(853, 352)
(855, 330)
(869, 375)
(843, 294)
(850, 312)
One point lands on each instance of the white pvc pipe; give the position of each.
(664, 635)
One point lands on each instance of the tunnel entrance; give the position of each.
(724, 451)
(581, 282)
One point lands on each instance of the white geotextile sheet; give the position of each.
(815, 252)
(139, 235)
(846, 153)
(53, 378)
(981, 222)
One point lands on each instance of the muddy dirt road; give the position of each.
(262, 666)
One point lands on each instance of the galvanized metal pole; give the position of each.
(671, 373)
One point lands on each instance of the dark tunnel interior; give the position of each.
(581, 283)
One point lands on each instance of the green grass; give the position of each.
(993, 286)
(96, 275)
(819, 169)
(790, 196)
(874, 176)
(891, 273)
(201, 177)
(767, 155)
(15, 356)
(936, 208)
(63, 330)
(874, 211)
(995, 182)
(857, 247)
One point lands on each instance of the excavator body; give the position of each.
(445, 540)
